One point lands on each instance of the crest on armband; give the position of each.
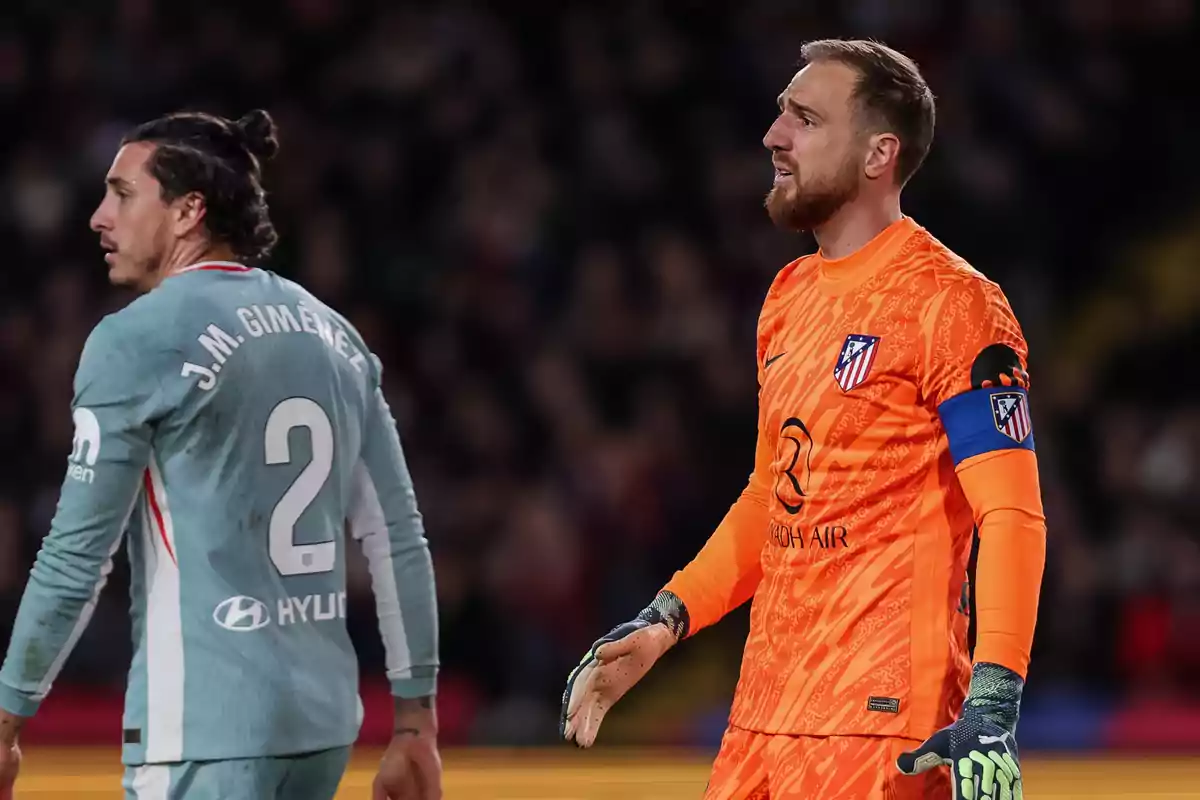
(1010, 411)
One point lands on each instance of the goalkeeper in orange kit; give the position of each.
(894, 434)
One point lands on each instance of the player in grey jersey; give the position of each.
(228, 427)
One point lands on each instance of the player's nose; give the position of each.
(100, 221)
(774, 139)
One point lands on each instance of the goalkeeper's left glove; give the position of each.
(979, 746)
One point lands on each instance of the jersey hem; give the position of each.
(784, 730)
(139, 759)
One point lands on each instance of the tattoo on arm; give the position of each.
(404, 708)
(10, 726)
(407, 704)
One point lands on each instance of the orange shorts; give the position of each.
(765, 766)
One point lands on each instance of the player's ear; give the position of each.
(188, 213)
(883, 150)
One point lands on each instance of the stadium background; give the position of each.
(547, 221)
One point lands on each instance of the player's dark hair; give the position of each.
(222, 160)
(891, 93)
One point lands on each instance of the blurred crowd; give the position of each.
(548, 223)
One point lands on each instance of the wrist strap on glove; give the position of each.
(668, 609)
(995, 695)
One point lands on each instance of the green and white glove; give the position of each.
(979, 747)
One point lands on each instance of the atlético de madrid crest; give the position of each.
(1010, 410)
(854, 363)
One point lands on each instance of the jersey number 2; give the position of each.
(291, 558)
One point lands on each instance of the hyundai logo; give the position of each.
(242, 614)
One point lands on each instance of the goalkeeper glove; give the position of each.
(979, 746)
(615, 663)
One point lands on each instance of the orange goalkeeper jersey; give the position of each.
(858, 531)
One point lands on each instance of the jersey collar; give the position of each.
(218, 266)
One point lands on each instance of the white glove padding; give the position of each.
(614, 664)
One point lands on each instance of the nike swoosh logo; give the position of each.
(773, 359)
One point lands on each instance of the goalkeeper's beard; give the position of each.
(799, 208)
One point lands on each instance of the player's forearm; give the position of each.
(1008, 576)
(406, 607)
(414, 716)
(418, 622)
(727, 570)
(1004, 492)
(57, 605)
(386, 518)
(10, 728)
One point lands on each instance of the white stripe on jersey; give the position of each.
(368, 524)
(151, 782)
(164, 627)
(203, 264)
(89, 608)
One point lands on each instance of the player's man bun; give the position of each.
(260, 134)
(221, 159)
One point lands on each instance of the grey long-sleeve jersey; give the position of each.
(228, 427)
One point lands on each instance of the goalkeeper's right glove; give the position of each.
(615, 663)
(979, 747)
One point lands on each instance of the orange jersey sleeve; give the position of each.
(971, 341)
(1003, 491)
(726, 571)
(976, 376)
